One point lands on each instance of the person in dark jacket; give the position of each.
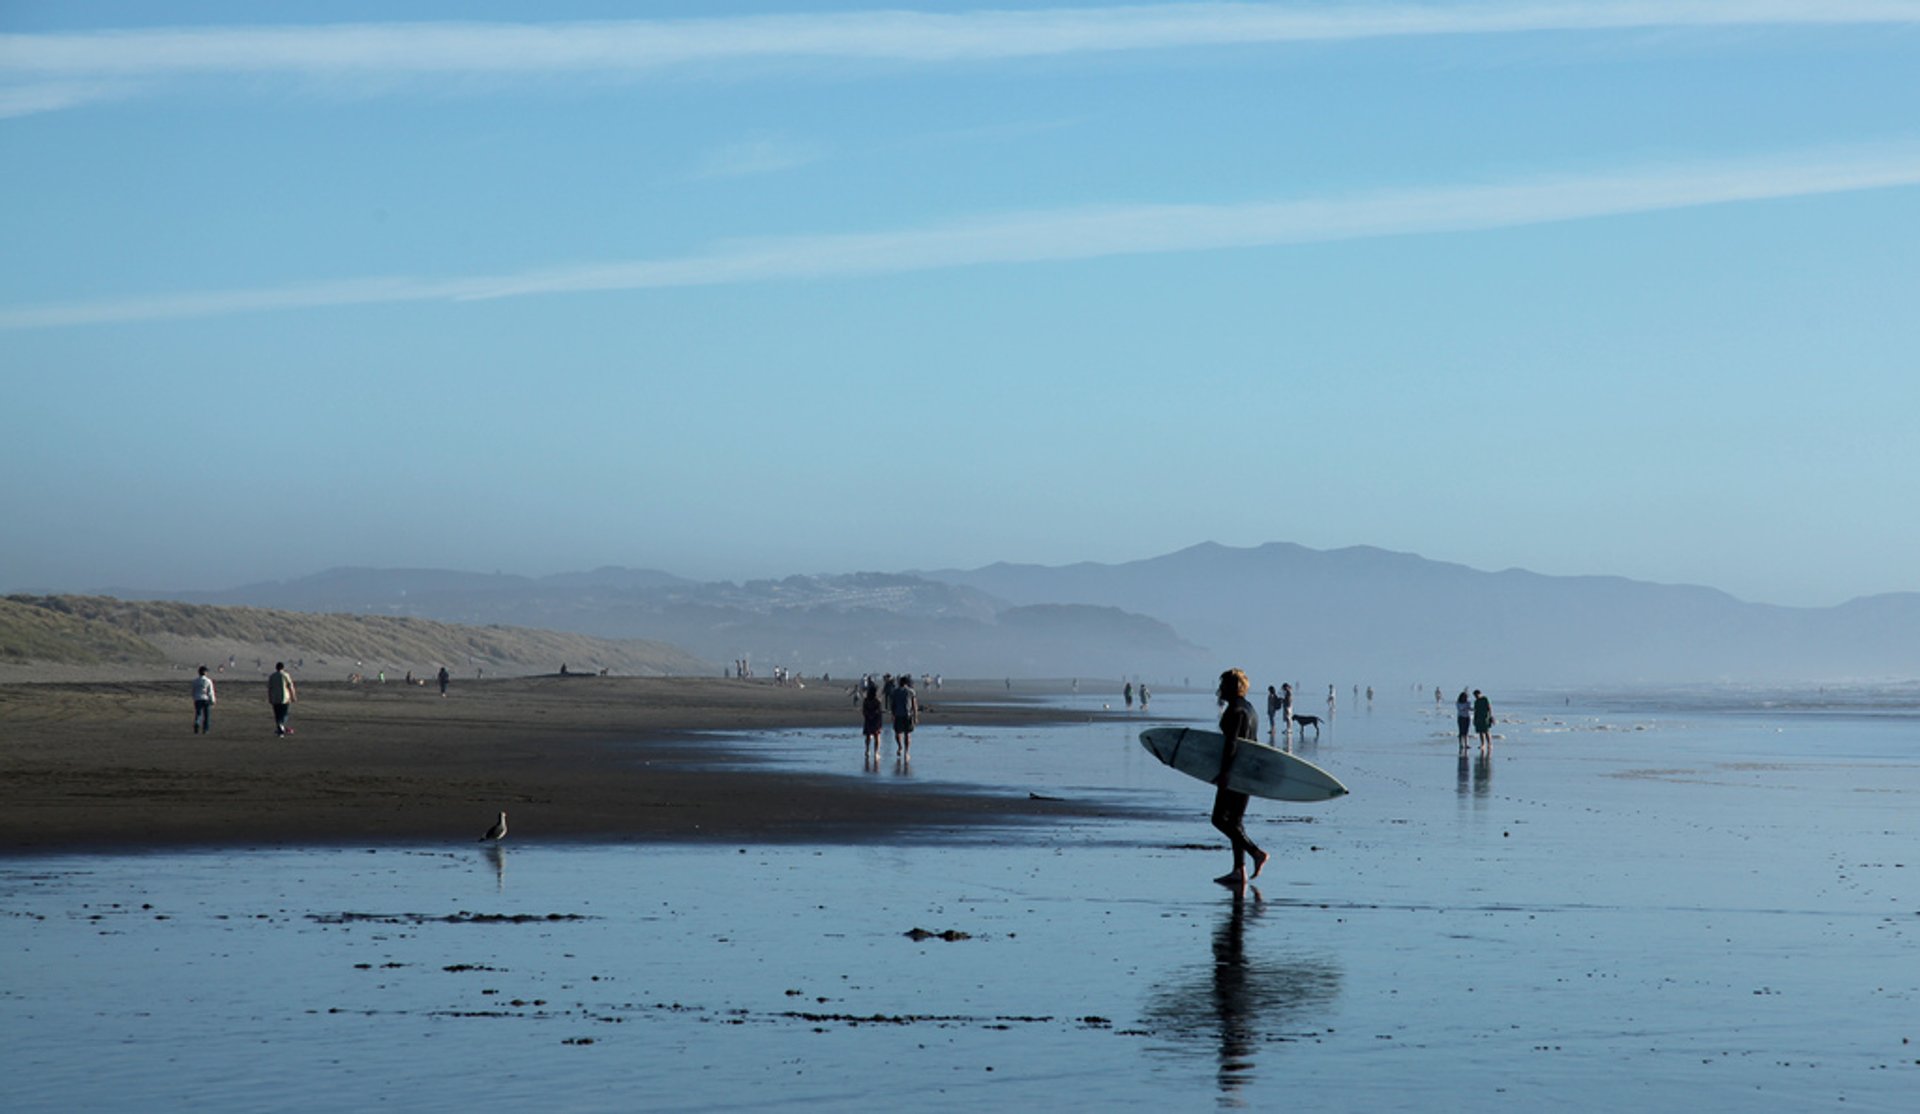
(1483, 719)
(1238, 722)
(872, 712)
(906, 712)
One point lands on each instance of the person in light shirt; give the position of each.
(281, 694)
(203, 698)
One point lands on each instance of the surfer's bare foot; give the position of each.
(1236, 879)
(1259, 863)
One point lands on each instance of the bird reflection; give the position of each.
(497, 855)
(1241, 1002)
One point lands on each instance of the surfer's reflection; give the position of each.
(1242, 1002)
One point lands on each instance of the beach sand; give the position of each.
(1652, 902)
(105, 765)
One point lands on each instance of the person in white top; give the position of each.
(280, 694)
(203, 698)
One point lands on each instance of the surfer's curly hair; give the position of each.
(1234, 683)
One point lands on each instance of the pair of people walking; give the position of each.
(899, 699)
(281, 693)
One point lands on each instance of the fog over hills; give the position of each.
(1364, 615)
(1349, 616)
(841, 625)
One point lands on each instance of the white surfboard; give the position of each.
(1258, 769)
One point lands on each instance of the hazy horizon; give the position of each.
(535, 575)
(1589, 288)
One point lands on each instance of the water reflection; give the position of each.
(1473, 781)
(497, 856)
(1241, 1001)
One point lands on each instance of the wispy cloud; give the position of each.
(1070, 234)
(428, 49)
(54, 96)
(752, 157)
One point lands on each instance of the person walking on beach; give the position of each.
(203, 698)
(1128, 693)
(1463, 718)
(1483, 719)
(445, 679)
(871, 714)
(281, 694)
(1329, 703)
(1238, 722)
(906, 708)
(1145, 696)
(1274, 704)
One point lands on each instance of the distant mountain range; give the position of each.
(1367, 616)
(1350, 616)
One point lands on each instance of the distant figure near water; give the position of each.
(446, 678)
(1463, 718)
(906, 710)
(872, 713)
(1483, 719)
(1127, 694)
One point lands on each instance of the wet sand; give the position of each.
(100, 765)
(1653, 902)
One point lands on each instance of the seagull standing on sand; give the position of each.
(496, 833)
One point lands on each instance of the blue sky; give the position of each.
(747, 290)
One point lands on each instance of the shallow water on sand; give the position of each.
(1669, 903)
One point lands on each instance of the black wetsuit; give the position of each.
(1238, 722)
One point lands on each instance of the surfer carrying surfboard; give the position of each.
(1238, 722)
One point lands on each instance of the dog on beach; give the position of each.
(1306, 722)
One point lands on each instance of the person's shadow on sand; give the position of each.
(1241, 1002)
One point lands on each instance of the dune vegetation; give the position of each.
(102, 630)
